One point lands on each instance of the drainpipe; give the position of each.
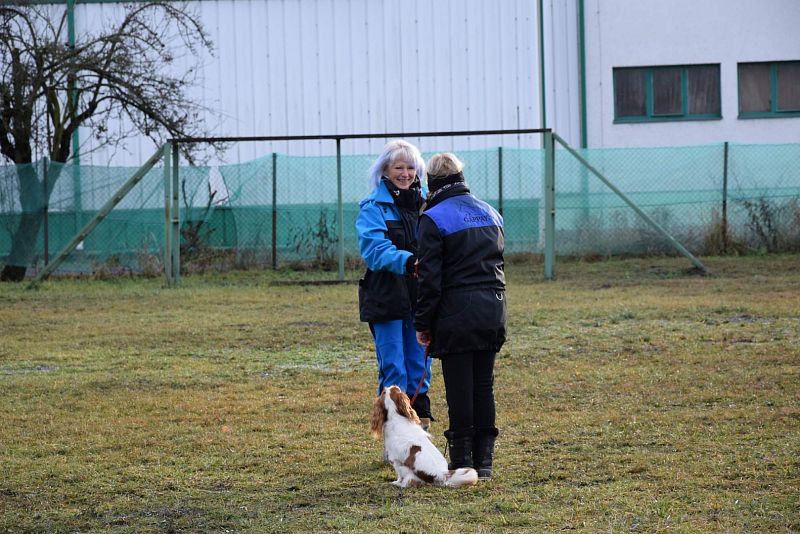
(584, 134)
(546, 221)
(76, 140)
(542, 98)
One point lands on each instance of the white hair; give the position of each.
(393, 151)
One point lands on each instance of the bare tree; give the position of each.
(123, 74)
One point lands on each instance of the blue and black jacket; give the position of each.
(461, 294)
(386, 238)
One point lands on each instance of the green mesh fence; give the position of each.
(42, 207)
(283, 209)
(712, 199)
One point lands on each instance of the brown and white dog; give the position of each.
(409, 448)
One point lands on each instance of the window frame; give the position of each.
(775, 112)
(651, 116)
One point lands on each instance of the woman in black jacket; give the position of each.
(461, 306)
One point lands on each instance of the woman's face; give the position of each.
(401, 173)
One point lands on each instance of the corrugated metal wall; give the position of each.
(311, 67)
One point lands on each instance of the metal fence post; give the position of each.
(46, 209)
(549, 205)
(339, 207)
(274, 210)
(585, 195)
(725, 200)
(166, 155)
(176, 217)
(500, 180)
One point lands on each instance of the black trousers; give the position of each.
(469, 388)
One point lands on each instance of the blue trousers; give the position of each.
(401, 360)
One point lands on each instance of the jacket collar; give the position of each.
(381, 194)
(450, 190)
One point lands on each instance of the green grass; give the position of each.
(632, 396)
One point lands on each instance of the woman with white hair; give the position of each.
(387, 293)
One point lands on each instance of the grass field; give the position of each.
(632, 395)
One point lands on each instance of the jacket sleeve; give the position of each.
(429, 253)
(376, 248)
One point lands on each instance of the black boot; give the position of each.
(484, 452)
(460, 450)
(422, 405)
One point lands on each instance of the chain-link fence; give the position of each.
(713, 199)
(43, 205)
(280, 209)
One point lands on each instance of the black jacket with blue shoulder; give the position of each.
(387, 243)
(461, 292)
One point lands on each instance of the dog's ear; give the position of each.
(403, 404)
(378, 417)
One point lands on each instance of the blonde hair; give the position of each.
(394, 151)
(444, 164)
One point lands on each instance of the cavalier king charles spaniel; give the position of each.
(410, 450)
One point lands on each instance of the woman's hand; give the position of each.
(424, 338)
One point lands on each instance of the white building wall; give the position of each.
(631, 33)
(562, 69)
(318, 67)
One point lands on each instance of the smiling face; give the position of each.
(401, 173)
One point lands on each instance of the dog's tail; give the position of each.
(463, 476)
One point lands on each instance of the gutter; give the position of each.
(542, 84)
(76, 141)
(582, 67)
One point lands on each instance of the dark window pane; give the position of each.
(789, 86)
(629, 92)
(703, 89)
(667, 91)
(754, 92)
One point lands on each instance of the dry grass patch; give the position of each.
(633, 396)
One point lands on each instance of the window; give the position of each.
(647, 94)
(769, 89)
